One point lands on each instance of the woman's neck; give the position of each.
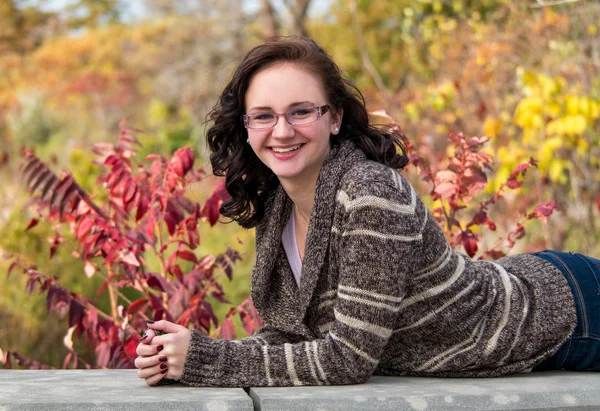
(302, 195)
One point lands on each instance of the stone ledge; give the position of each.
(53, 390)
(95, 390)
(535, 391)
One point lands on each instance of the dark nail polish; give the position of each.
(159, 348)
(144, 336)
(163, 371)
(149, 322)
(162, 358)
(163, 366)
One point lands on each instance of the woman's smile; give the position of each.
(281, 97)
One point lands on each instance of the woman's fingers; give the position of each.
(164, 325)
(148, 336)
(155, 378)
(150, 360)
(148, 372)
(145, 350)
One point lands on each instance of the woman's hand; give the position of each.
(163, 355)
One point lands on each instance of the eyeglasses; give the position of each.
(296, 117)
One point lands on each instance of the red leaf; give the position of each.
(519, 232)
(102, 288)
(182, 161)
(207, 262)
(211, 209)
(76, 312)
(544, 210)
(496, 254)
(446, 189)
(469, 241)
(66, 185)
(142, 209)
(32, 223)
(157, 282)
(227, 330)
(254, 312)
(547, 208)
(102, 354)
(177, 272)
(512, 183)
(56, 241)
(445, 176)
(10, 268)
(187, 255)
(137, 305)
(221, 192)
(129, 193)
(130, 258)
(475, 180)
(84, 227)
(131, 346)
(522, 167)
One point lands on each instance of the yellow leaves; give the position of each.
(539, 84)
(570, 125)
(528, 112)
(492, 127)
(554, 122)
(556, 171)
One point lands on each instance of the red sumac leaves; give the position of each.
(141, 238)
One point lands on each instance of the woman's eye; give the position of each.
(300, 112)
(263, 117)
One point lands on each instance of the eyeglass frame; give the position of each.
(321, 110)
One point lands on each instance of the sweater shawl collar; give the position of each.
(278, 208)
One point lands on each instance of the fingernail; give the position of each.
(159, 348)
(163, 366)
(163, 371)
(149, 322)
(144, 336)
(162, 358)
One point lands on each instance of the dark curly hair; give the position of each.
(247, 179)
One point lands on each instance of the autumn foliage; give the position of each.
(144, 214)
(457, 185)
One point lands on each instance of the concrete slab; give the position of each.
(95, 390)
(535, 391)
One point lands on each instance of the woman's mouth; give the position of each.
(283, 150)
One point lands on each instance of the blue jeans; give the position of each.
(582, 350)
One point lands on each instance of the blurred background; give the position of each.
(526, 74)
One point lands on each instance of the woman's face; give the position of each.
(295, 153)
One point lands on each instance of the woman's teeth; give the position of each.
(285, 150)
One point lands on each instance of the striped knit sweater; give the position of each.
(382, 293)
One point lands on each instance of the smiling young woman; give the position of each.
(353, 275)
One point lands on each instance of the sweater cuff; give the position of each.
(199, 369)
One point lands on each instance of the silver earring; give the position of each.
(335, 129)
(247, 140)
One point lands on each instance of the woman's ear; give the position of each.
(336, 123)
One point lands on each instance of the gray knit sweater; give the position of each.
(382, 292)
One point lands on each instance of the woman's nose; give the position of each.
(283, 129)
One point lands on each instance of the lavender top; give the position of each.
(288, 238)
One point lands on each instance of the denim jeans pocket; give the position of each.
(582, 350)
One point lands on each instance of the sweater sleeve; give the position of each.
(380, 227)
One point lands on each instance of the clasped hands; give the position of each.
(163, 355)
